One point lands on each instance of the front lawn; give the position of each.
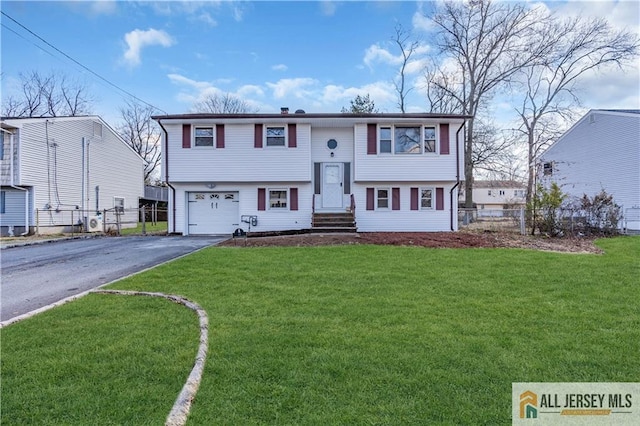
(333, 335)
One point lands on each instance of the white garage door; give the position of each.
(213, 213)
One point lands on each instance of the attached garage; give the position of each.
(211, 213)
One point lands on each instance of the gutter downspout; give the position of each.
(12, 185)
(457, 173)
(165, 156)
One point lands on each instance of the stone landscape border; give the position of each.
(181, 407)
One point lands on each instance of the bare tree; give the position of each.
(223, 104)
(488, 43)
(362, 105)
(48, 96)
(407, 50)
(142, 134)
(577, 46)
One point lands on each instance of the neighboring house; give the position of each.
(600, 152)
(493, 196)
(288, 172)
(59, 172)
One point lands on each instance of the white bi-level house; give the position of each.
(296, 172)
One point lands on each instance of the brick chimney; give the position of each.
(284, 110)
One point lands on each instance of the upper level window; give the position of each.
(204, 136)
(385, 140)
(548, 169)
(407, 139)
(278, 199)
(430, 139)
(275, 136)
(97, 129)
(1, 145)
(518, 193)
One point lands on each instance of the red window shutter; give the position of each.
(439, 198)
(414, 198)
(257, 141)
(219, 135)
(293, 198)
(372, 139)
(186, 135)
(292, 136)
(444, 139)
(370, 199)
(262, 201)
(395, 198)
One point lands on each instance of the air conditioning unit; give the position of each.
(94, 224)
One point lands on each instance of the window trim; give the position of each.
(287, 205)
(116, 207)
(433, 197)
(213, 136)
(377, 198)
(393, 127)
(285, 136)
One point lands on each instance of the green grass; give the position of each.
(150, 227)
(338, 335)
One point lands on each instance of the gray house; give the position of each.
(59, 172)
(600, 152)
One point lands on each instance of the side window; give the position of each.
(426, 198)
(1, 145)
(548, 169)
(430, 139)
(118, 204)
(3, 194)
(275, 136)
(204, 136)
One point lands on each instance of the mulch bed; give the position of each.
(460, 239)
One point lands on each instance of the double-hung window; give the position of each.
(407, 139)
(204, 136)
(276, 136)
(382, 198)
(278, 199)
(385, 140)
(426, 198)
(430, 139)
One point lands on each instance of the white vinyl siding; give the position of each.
(56, 173)
(601, 151)
(239, 161)
(268, 220)
(404, 167)
(404, 219)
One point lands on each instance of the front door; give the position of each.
(332, 185)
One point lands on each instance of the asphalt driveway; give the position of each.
(37, 275)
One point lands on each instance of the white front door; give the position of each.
(213, 213)
(332, 185)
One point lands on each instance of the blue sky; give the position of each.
(310, 55)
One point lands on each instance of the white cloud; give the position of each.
(138, 39)
(328, 7)
(296, 87)
(375, 53)
(104, 7)
(279, 67)
(249, 90)
(207, 19)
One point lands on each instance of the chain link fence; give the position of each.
(493, 220)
